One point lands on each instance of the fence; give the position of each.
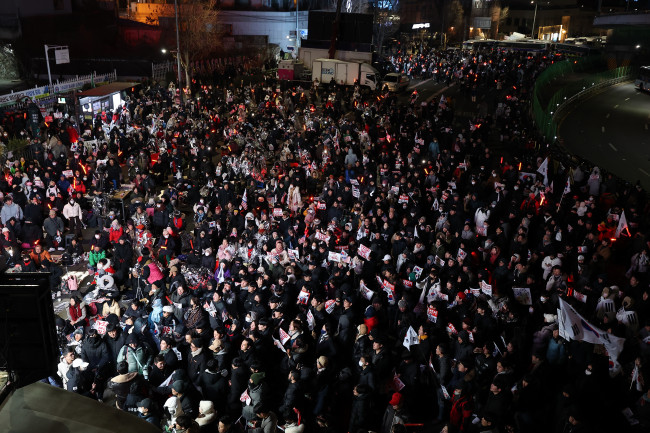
(38, 93)
(572, 80)
(159, 70)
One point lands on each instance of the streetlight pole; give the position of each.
(178, 53)
(49, 74)
(532, 33)
(297, 28)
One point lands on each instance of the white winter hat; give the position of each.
(168, 309)
(206, 406)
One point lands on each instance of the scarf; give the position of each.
(197, 351)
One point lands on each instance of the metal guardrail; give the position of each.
(588, 91)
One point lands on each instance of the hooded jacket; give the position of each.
(95, 353)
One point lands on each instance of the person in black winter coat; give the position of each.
(32, 233)
(197, 360)
(113, 173)
(114, 340)
(367, 375)
(292, 395)
(213, 384)
(80, 379)
(95, 353)
(122, 258)
(238, 383)
(188, 403)
(160, 219)
(361, 413)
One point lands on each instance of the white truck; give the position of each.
(344, 72)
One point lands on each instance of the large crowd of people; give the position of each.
(330, 260)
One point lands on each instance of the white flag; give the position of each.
(411, 338)
(543, 170)
(622, 225)
(574, 327)
(567, 187)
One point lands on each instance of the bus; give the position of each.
(643, 80)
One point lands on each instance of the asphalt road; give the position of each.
(612, 130)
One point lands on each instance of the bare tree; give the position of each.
(453, 14)
(386, 22)
(349, 6)
(199, 32)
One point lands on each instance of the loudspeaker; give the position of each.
(28, 341)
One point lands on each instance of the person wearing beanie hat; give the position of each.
(257, 391)
(185, 399)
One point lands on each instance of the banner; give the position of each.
(486, 288)
(330, 305)
(364, 251)
(293, 254)
(303, 297)
(432, 314)
(100, 326)
(284, 337)
(365, 291)
(311, 322)
(522, 295)
(334, 257)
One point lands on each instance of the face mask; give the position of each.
(588, 372)
(360, 363)
(165, 236)
(248, 319)
(71, 201)
(141, 410)
(97, 236)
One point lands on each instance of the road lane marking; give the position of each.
(419, 84)
(627, 99)
(613, 147)
(644, 172)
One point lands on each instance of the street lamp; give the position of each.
(532, 33)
